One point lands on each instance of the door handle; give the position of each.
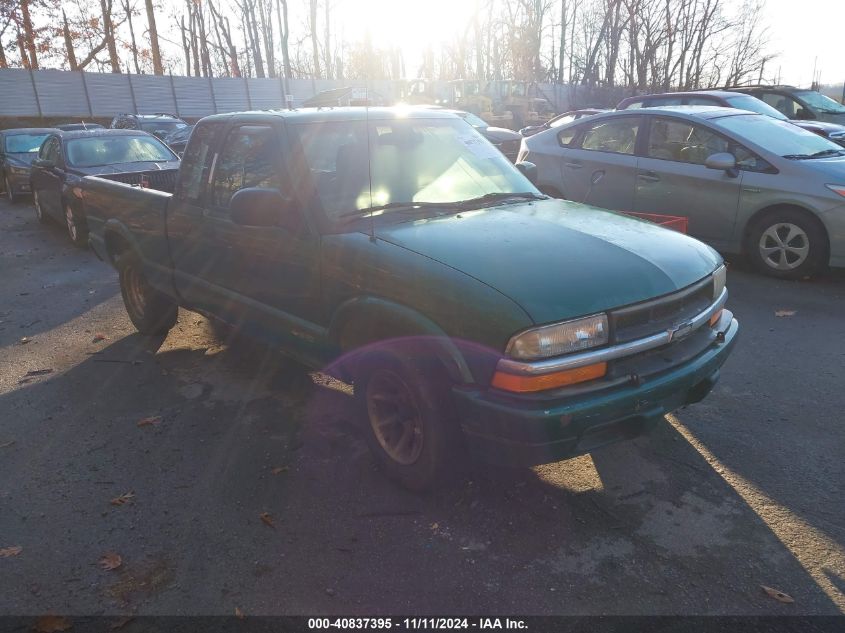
(750, 190)
(574, 165)
(649, 177)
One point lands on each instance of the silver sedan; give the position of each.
(747, 183)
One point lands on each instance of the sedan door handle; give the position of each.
(574, 165)
(649, 177)
(750, 190)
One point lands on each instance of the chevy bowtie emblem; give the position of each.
(679, 331)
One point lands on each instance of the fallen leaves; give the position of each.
(123, 499)
(98, 337)
(784, 313)
(51, 624)
(240, 615)
(266, 519)
(777, 594)
(8, 552)
(7, 444)
(280, 469)
(25, 340)
(30, 375)
(110, 561)
(153, 420)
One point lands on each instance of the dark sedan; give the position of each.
(82, 125)
(560, 119)
(18, 148)
(506, 141)
(178, 139)
(66, 157)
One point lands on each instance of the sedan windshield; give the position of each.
(97, 151)
(413, 163)
(753, 104)
(820, 102)
(24, 143)
(779, 137)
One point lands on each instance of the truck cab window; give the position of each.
(196, 162)
(249, 158)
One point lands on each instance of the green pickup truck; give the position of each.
(399, 250)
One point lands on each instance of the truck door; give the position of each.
(266, 277)
(191, 255)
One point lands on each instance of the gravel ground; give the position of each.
(201, 437)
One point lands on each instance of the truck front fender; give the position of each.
(363, 321)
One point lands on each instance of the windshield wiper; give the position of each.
(501, 197)
(822, 154)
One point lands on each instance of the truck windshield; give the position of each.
(96, 151)
(24, 143)
(753, 104)
(411, 162)
(820, 102)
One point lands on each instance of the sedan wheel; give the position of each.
(788, 243)
(10, 195)
(39, 212)
(394, 417)
(784, 246)
(75, 227)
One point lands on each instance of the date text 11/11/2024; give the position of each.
(417, 624)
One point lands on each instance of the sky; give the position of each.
(805, 32)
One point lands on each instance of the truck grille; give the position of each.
(658, 315)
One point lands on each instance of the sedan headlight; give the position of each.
(720, 278)
(560, 338)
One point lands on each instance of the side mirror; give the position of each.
(43, 163)
(803, 114)
(258, 206)
(529, 170)
(722, 161)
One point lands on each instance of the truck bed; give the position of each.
(133, 213)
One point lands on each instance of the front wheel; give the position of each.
(11, 196)
(151, 312)
(787, 244)
(77, 228)
(405, 409)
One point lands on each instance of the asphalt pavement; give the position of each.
(226, 477)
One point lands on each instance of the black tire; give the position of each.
(151, 312)
(11, 196)
(787, 244)
(39, 212)
(77, 227)
(422, 393)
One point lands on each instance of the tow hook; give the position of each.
(636, 380)
(720, 337)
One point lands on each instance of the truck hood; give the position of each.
(559, 259)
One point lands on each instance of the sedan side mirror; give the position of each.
(259, 206)
(529, 170)
(722, 161)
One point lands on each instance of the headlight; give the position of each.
(560, 338)
(719, 280)
(19, 171)
(840, 189)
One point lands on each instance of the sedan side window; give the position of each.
(785, 104)
(683, 142)
(249, 159)
(618, 136)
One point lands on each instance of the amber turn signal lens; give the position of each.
(530, 384)
(715, 318)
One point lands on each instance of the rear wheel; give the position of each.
(151, 311)
(788, 244)
(405, 409)
(77, 228)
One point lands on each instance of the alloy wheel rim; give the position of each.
(71, 222)
(784, 246)
(394, 417)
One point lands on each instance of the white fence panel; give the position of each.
(153, 93)
(109, 93)
(193, 96)
(61, 93)
(17, 95)
(265, 94)
(230, 95)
